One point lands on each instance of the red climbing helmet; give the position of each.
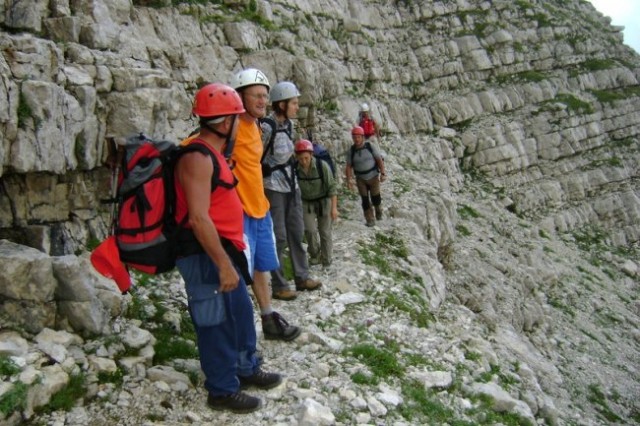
(217, 100)
(303, 145)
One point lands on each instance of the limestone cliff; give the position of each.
(511, 133)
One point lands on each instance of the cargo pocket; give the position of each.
(206, 304)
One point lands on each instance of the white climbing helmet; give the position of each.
(282, 91)
(364, 107)
(249, 77)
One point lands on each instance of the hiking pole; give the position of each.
(118, 147)
(112, 160)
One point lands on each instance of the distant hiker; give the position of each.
(283, 191)
(253, 87)
(212, 261)
(365, 161)
(368, 124)
(319, 201)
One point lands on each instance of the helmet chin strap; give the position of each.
(216, 131)
(229, 142)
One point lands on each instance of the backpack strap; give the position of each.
(368, 146)
(274, 129)
(320, 169)
(321, 175)
(215, 178)
(272, 138)
(227, 149)
(188, 244)
(269, 147)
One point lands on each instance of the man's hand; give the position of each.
(228, 277)
(383, 177)
(334, 214)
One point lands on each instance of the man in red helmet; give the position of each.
(211, 259)
(365, 161)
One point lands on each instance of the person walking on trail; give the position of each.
(283, 191)
(319, 201)
(365, 161)
(367, 123)
(211, 259)
(253, 87)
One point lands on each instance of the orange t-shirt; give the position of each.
(246, 156)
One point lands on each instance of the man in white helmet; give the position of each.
(367, 123)
(253, 87)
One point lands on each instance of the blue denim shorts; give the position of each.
(261, 244)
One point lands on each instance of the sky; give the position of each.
(623, 12)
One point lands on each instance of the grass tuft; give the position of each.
(170, 346)
(422, 404)
(14, 399)
(24, 111)
(467, 212)
(67, 397)
(597, 397)
(7, 366)
(382, 362)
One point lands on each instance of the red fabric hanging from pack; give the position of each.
(106, 260)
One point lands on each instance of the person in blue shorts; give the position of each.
(253, 87)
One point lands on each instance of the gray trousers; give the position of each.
(318, 223)
(288, 227)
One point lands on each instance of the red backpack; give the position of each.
(369, 126)
(144, 224)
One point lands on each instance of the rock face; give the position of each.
(38, 291)
(511, 135)
(539, 107)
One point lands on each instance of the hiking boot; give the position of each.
(368, 216)
(314, 260)
(238, 402)
(274, 327)
(261, 380)
(308, 285)
(378, 213)
(284, 294)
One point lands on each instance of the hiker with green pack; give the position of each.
(319, 202)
